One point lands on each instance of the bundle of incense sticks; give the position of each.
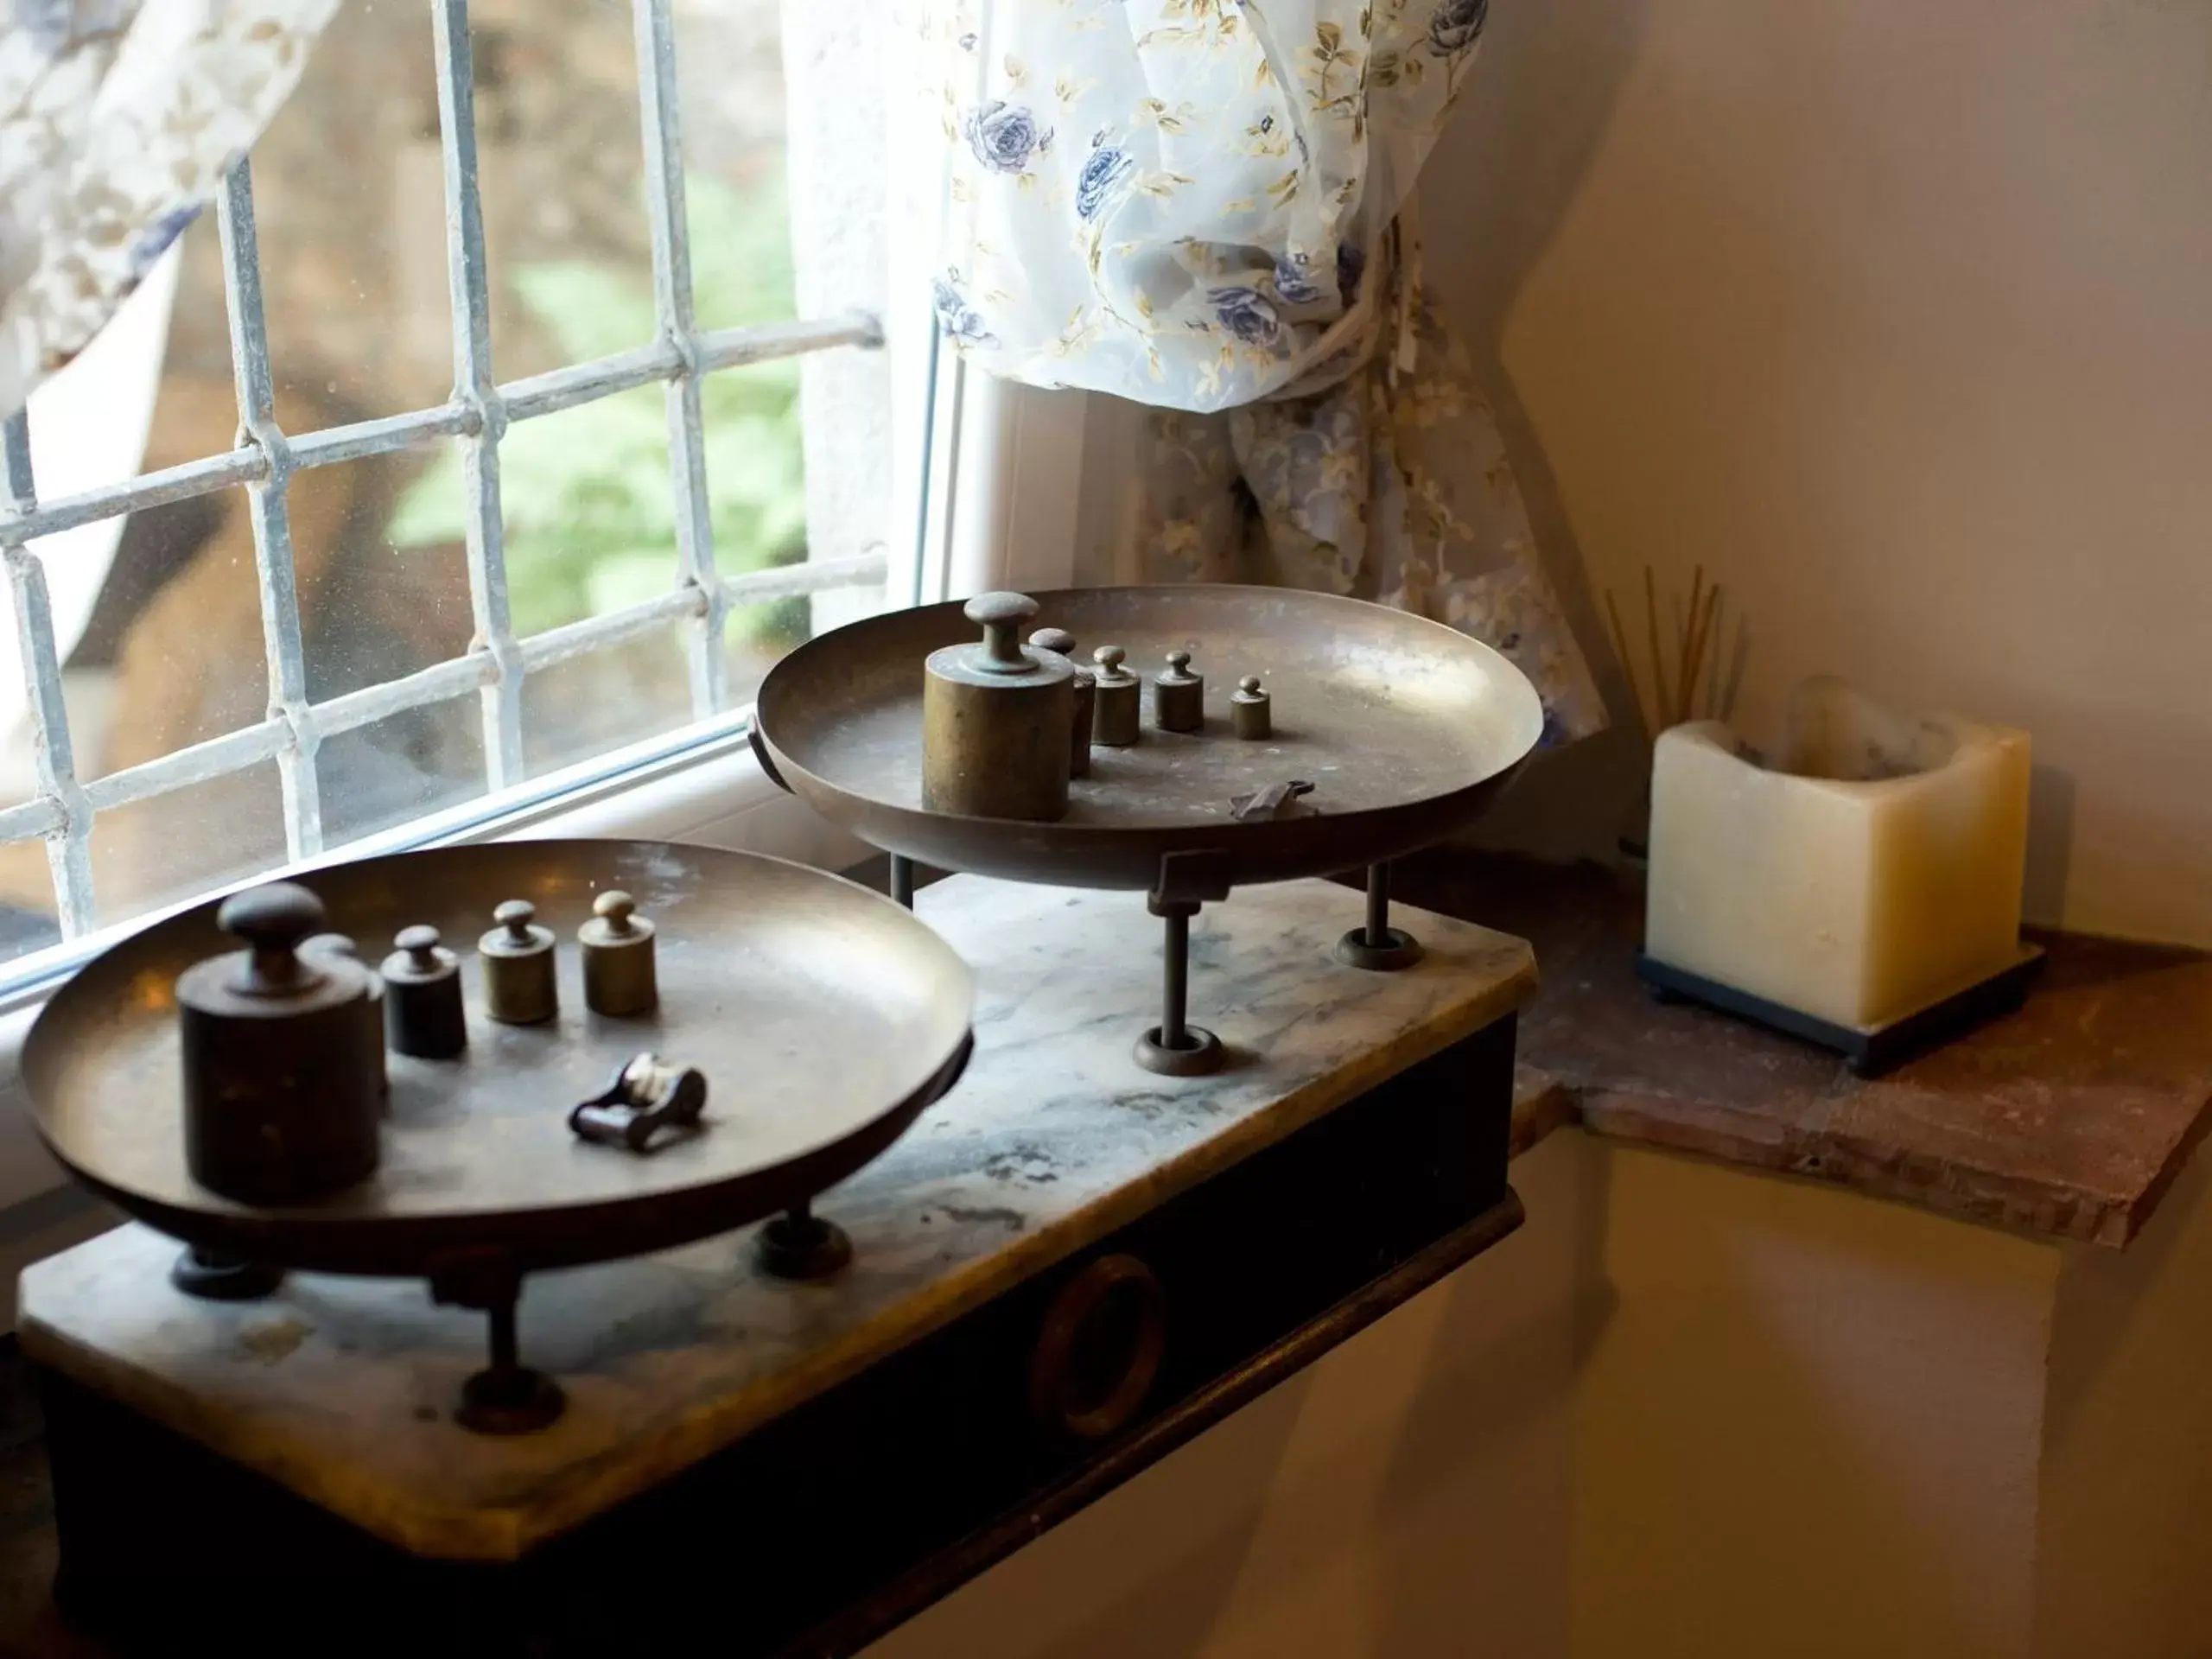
(1697, 655)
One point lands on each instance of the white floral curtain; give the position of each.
(1391, 484)
(118, 118)
(1196, 204)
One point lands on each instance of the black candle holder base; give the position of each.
(1868, 1049)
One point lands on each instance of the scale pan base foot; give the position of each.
(511, 1401)
(1199, 1055)
(1403, 951)
(800, 1244)
(217, 1278)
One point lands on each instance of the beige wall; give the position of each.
(2125, 1526)
(1687, 1410)
(1899, 319)
(1808, 1425)
(1405, 1498)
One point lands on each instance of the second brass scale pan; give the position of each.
(1406, 729)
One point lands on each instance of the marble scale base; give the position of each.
(1067, 1268)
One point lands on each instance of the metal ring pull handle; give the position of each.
(1086, 1377)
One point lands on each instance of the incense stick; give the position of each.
(1694, 652)
(1658, 659)
(1628, 663)
(1684, 646)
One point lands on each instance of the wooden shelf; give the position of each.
(2068, 1119)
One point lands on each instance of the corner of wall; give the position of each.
(2126, 1516)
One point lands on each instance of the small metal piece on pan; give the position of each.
(1284, 800)
(645, 1097)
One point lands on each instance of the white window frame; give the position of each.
(988, 475)
(474, 418)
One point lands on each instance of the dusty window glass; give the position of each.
(161, 632)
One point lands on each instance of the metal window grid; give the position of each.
(475, 418)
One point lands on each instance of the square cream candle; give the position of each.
(1870, 868)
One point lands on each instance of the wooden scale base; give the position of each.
(1064, 1270)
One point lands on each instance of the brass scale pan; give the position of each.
(1402, 730)
(1406, 727)
(824, 1017)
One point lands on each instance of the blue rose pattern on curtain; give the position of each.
(1171, 199)
(1193, 204)
(118, 118)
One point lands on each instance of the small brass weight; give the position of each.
(1249, 708)
(519, 989)
(1116, 699)
(1086, 695)
(1179, 696)
(422, 1010)
(995, 720)
(343, 945)
(618, 951)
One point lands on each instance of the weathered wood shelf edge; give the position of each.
(2067, 1119)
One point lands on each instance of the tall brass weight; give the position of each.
(283, 1067)
(996, 719)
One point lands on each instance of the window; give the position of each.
(366, 578)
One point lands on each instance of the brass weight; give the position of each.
(996, 719)
(1086, 707)
(1179, 696)
(618, 951)
(342, 945)
(1116, 701)
(1249, 708)
(1086, 697)
(519, 989)
(423, 1015)
(281, 1074)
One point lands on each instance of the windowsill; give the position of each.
(2068, 1120)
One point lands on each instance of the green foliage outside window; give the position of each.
(590, 523)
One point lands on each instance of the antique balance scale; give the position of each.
(824, 1020)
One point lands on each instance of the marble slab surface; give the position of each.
(341, 1388)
